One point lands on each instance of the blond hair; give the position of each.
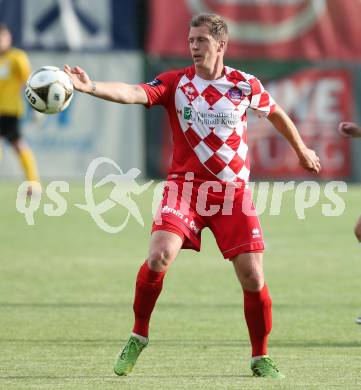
(216, 24)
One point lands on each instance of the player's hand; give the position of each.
(349, 129)
(309, 160)
(81, 80)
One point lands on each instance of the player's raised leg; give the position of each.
(257, 311)
(164, 247)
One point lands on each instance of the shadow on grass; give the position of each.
(115, 378)
(196, 343)
(168, 305)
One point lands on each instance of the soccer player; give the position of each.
(352, 130)
(14, 71)
(207, 182)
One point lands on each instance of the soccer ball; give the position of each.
(49, 90)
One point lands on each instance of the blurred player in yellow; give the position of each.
(14, 71)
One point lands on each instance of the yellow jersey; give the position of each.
(14, 71)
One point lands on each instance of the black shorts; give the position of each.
(9, 128)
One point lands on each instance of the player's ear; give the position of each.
(221, 46)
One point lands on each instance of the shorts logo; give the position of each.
(154, 83)
(189, 222)
(256, 233)
(187, 113)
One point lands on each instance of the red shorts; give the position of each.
(228, 211)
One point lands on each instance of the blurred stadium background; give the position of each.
(307, 53)
(66, 287)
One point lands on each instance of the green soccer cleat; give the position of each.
(127, 358)
(265, 367)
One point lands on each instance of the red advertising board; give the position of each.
(280, 29)
(317, 100)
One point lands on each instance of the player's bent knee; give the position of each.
(253, 284)
(252, 281)
(159, 259)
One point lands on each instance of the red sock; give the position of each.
(258, 313)
(147, 289)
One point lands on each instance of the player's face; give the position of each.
(5, 40)
(203, 47)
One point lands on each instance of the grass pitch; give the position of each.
(66, 291)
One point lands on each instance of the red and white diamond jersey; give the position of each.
(209, 121)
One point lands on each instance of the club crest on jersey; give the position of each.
(154, 83)
(190, 91)
(235, 95)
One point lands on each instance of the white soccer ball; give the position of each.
(49, 90)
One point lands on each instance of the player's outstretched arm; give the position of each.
(284, 124)
(349, 129)
(113, 91)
